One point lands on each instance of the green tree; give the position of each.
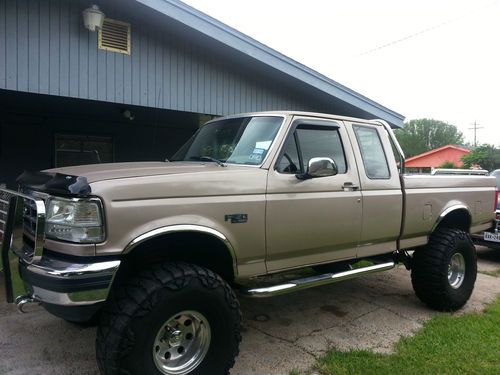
(448, 164)
(421, 135)
(486, 156)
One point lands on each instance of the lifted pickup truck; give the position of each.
(159, 249)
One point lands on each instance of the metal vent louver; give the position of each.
(115, 36)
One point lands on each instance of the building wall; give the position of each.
(438, 158)
(54, 79)
(30, 122)
(45, 49)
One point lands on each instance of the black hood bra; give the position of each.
(55, 183)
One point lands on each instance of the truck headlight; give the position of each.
(78, 220)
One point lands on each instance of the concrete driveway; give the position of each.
(280, 334)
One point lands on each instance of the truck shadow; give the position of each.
(488, 254)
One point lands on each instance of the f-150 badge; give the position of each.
(236, 218)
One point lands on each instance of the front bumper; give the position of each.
(59, 283)
(68, 290)
(74, 291)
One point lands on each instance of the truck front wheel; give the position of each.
(444, 272)
(171, 319)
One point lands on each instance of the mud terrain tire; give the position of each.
(162, 310)
(444, 271)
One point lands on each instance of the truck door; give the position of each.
(381, 192)
(314, 220)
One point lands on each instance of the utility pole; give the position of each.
(475, 127)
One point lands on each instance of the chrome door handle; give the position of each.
(349, 186)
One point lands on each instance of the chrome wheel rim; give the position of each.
(456, 270)
(181, 343)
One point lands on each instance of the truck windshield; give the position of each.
(242, 140)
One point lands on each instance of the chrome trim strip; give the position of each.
(309, 282)
(183, 228)
(448, 210)
(65, 270)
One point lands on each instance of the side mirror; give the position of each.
(319, 167)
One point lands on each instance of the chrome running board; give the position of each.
(317, 280)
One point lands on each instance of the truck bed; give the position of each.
(428, 197)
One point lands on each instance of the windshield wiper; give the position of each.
(208, 158)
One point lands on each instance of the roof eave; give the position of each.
(217, 30)
(436, 150)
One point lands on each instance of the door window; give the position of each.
(372, 152)
(311, 141)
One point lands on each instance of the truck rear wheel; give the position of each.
(172, 319)
(444, 272)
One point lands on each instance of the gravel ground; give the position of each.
(279, 334)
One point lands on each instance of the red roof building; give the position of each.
(436, 158)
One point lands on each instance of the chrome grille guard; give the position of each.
(17, 239)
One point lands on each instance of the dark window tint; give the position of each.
(82, 149)
(289, 161)
(372, 152)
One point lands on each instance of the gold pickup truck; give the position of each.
(158, 251)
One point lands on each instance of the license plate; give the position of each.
(494, 237)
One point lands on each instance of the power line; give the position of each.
(475, 127)
(429, 29)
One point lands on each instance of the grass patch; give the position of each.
(362, 263)
(468, 344)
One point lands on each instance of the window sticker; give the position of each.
(258, 151)
(263, 145)
(256, 157)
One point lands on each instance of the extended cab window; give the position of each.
(311, 141)
(372, 152)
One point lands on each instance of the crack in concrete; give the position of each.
(397, 313)
(340, 324)
(330, 344)
(291, 342)
(377, 307)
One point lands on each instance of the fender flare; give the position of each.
(447, 211)
(184, 228)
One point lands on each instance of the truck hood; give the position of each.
(111, 171)
(77, 180)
